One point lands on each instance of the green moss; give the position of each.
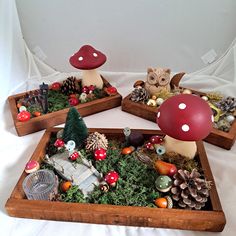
(74, 194)
(57, 101)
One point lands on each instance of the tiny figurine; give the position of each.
(111, 178)
(44, 95)
(70, 146)
(157, 79)
(31, 166)
(184, 119)
(88, 59)
(190, 190)
(163, 183)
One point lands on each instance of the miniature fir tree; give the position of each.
(75, 128)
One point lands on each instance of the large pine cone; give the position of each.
(96, 140)
(70, 86)
(139, 94)
(228, 104)
(189, 190)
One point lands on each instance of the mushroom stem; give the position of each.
(184, 148)
(92, 77)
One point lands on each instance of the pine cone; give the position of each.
(228, 104)
(189, 190)
(139, 94)
(70, 86)
(96, 140)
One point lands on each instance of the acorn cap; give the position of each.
(87, 58)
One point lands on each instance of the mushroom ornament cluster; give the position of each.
(88, 59)
(184, 118)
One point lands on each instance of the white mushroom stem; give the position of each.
(92, 77)
(184, 148)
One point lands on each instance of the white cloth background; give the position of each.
(20, 70)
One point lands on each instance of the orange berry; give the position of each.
(161, 202)
(72, 95)
(19, 105)
(65, 186)
(37, 113)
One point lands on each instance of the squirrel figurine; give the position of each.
(159, 79)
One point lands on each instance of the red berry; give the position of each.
(23, 116)
(100, 154)
(73, 101)
(56, 86)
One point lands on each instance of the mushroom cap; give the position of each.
(185, 117)
(87, 58)
(111, 177)
(31, 166)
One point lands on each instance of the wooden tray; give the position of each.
(203, 220)
(59, 117)
(216, 137)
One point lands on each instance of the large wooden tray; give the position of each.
(217, 137)
(203, 220)
(56, 118)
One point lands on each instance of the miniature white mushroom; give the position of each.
(184, 119)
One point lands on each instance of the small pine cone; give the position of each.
(228, 104)
(139, 94)
(96, 140)
(189, 190)
(70, 86)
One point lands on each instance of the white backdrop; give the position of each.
(21, 70)
(134, 34)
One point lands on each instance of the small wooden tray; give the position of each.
(216, 137)
(56, 118)
(203, 220)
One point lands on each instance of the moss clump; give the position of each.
(57, 101)
(74, 194)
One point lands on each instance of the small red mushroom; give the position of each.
(149, 146)
(73, 101)
(111, 91)
(100, 154)
(74, 156)
(111, 178)
(31, 166)
(88, 59)
(59, 143)
(91, 88)
(85, 89)
(23, 116)
(156, 139)
(184, 117)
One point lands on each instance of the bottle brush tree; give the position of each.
(75, 128)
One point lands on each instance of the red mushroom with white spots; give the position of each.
(111, 178)
(88, 59)
(184, 118)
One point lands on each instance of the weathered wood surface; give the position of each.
(217, 137)
(56, 118)
(208, 220)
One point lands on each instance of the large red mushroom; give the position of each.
(88, 59)
(184, 118)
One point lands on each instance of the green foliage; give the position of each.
(99, 93)
(136, 184)
(73, 194)
(57, 101)
(75, 128)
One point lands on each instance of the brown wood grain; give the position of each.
(207, 220)
(217, 137)
(56, 118)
